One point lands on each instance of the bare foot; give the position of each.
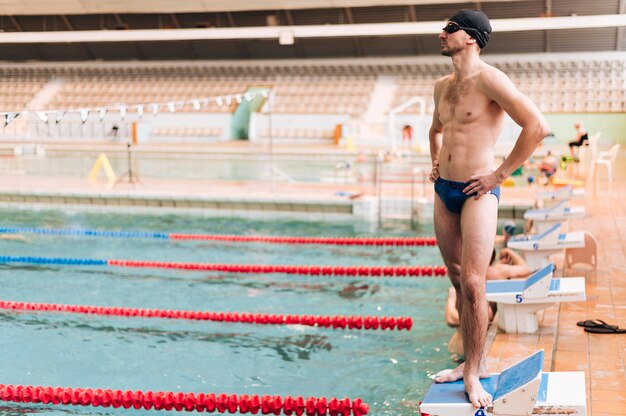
(457, 374)
(477, 394)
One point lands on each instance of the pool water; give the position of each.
(207, 167)
(388, 369)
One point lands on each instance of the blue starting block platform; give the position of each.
(548, 217)
(537, 248)
(520, 390)
(519, 300)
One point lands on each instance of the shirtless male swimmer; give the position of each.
(470, 105)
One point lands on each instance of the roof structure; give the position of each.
(34, 20)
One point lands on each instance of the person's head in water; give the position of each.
(465, 27)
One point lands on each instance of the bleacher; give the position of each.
(336, 90)
(17, 92)
(557, 86)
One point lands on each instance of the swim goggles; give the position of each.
(452, 27)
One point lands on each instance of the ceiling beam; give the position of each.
(191, 51)
(292, 22)
(69, 25)
(71, 7)
(67, 22)
(547, 39)
(243, 48)
(307, 31)
(417, 46)
(355, 42)
(15, 23)
(619, 43)
(175, 20)
(19, 28)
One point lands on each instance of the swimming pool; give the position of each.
(387, 369)
(205, 166)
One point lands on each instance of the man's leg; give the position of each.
(448, 233)
(478, 227)
(449, 238)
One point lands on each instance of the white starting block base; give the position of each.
(551, 198)
(559, 393)
(517, 313)
(537, 249)
(545, 219)
(520, 390)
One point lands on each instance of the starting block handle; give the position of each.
(559, 208)
(519, 374)
(518, 387)
(550, 234)
(566, 191)
(538, 284)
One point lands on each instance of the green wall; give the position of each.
(612, 126)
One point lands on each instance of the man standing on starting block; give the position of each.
(470, 105)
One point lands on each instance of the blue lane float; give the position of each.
(53, 260)
(89, 233)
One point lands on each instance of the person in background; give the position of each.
(549, 165)
(407, 134)
(581, 139)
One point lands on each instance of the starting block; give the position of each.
(546, 218)
(520, 300)
(551, 198)
(520, 390)
(537, 249)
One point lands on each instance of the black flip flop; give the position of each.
(609, 329)
(595, 323)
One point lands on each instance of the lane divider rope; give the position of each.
(365, 241)
(361, 271)
(179, 401)
(335, 322)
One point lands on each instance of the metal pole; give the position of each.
(375, 177)
(130, 163)
(415, 170)
(379, 160)
(271, 136)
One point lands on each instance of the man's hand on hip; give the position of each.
(434, 173)
(481, 184)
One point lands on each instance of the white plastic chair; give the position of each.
(585, 257)
(605, 159)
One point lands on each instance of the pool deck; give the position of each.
(567, 346)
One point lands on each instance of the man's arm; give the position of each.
(508, 256)
(435, 135)
(506, 271)
(498, 87)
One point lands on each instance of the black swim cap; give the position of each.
(475, 23)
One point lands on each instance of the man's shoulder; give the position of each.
(490, 73)
(442, 81)
(491, 77)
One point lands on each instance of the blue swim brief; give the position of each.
(451, 193)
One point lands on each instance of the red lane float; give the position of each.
(179, 401)
(343, 241)
(335, 322)
(371, 271)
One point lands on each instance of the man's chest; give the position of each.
(462, 103)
